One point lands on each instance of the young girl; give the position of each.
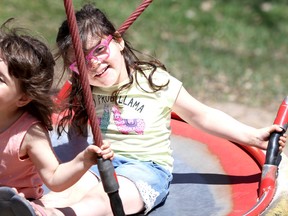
(26, 156)
(134, 100)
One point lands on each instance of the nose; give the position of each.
(94, 63)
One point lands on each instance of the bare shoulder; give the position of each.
(36, 136)
(37, 131)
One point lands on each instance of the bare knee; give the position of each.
(98, 204)
(94, 203)
(130, 196)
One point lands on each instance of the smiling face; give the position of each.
(108, 71)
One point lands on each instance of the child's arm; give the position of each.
(220, 124)
(58, 177)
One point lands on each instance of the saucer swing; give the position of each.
(211, 176)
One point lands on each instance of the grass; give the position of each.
(227, 51)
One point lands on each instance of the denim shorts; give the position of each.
(151, 179)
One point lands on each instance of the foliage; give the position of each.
(222, 50)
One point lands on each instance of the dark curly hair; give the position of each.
(30, 61)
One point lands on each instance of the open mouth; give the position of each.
(101, 72)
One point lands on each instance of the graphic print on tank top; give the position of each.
(105, 119)
(127, 125)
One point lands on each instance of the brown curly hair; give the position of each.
(30, 61)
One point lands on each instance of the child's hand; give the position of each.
(282, 142)
(92, 152)
(107, 152)
(265, 133)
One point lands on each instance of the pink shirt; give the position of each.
(16, 172)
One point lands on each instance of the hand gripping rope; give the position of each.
(106, 168)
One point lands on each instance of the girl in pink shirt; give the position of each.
(26, 156)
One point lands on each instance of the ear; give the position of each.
(23, 100)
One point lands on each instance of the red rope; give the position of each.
(130, 20)
(72, 23)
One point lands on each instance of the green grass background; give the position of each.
(223, 51)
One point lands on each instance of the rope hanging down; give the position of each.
(72, 23)
(106, 169)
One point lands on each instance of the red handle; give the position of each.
(282, 115)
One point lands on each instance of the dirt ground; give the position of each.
(252, 116)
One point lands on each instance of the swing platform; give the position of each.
(211, 176)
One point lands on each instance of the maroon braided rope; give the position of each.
(130, 20)
(72, 23)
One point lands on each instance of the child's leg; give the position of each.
(72, 194)
(97, 203)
